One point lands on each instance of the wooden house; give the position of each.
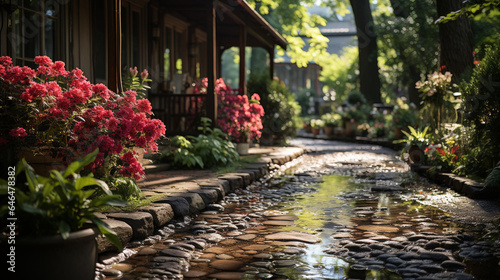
(177, 41)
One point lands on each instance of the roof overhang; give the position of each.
(231, 15)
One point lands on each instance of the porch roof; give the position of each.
(231, 14)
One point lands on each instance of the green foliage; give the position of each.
(404, 115)
(292, 19)
(481, 105)
(131, 81)
(209, 149)
(61, 203)
(356, 98)
(125, 187)
(281, 120)
(408, 42)
(332, 119)
(492, 181)
(317, 123)
(339, 73)
(416, 137)
(471, 8)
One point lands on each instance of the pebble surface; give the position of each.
(243, 236)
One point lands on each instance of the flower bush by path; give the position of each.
(59, 110)
(238, 116)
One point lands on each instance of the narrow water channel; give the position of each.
(302, 226)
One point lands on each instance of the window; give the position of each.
(34, 30)
(167, 55)
(132, 39)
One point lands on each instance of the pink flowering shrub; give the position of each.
(52, 108)
(238, 116)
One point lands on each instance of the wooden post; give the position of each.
(271, 62)
(243, 70)
(211, 62)
(114, 46)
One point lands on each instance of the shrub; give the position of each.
(53, 109)
(209, 149)
(481, 106)
(281, 120)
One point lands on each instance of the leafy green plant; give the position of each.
(356, 98)
(180, 152)
(137, 83)
(415, 137)
(213, 145)
(281, 120)
(317, 123)
(404, 115)
(125, 187)
(481, 106)
(211, 148)
(332, 119)
(353, 114)
(61, 203)
(418, 138)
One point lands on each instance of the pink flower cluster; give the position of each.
(239, 116)
(85, 116)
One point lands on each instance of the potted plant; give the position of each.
(331, 122)
(363, 129)
(416, 141)
(239, 116)
(403, 116)
(55, 113)
(351, 117)
(436, 94)
(317, 125)
(56, 225)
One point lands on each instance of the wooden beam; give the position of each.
(114, 45)
(211, 61)
(242, 45)
(271, 62)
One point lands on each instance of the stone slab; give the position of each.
(162, 213)
(141, 223)
(123, 231)
(179, 205)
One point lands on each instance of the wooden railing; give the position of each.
(179, 112)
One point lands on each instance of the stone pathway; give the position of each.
(247, 235)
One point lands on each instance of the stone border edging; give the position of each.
(462, 185)
(187, 198)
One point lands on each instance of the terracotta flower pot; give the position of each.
(329, 131)
(316, 130)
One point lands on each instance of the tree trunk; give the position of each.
(456, 39)
(367, 45)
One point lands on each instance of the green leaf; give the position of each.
(65, 229)
(111, 200)
(30, 175)
(32, 209)
(85, 182)
(78, 165)
(107, 231)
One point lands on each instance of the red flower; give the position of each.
(43, 60)
(6, 61)
(18, 132)
(144, 106)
